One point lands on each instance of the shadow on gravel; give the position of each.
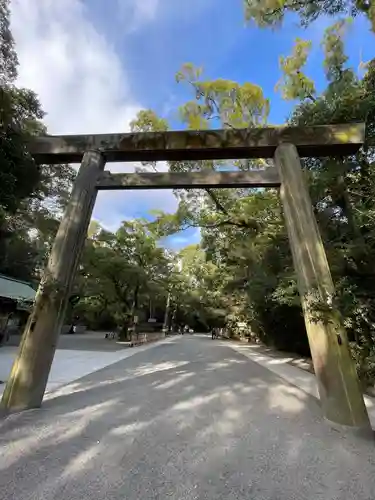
(189, 419)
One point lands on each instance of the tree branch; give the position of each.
(295, 6)
(229, 222)
(240, 224)
(311, 97)
(216, 201)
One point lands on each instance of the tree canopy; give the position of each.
(30, 205)
(272, 12)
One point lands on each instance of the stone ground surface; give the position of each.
(76, 356)
(89, 341)
(188, 419)
(296, 374)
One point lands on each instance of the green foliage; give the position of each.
(8, 56)
(294, 84)
(364, 358)
(333, 44)
(272, 12)
(119, 274)
(147, 121)
(19, 120)
(31, 197)
(19, 112)
(343, 190)
(228, 102)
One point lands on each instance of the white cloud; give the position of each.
(172, 8)
(145, 10)
(82, 84)
(113, 207)
(134, 14)
(77, 75)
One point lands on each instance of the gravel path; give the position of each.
(191, 419)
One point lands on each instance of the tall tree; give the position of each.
(8, 56)
(343, 188)
(31, 204)
(120, 273)
(20, 113)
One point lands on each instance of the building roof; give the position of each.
(16, 289)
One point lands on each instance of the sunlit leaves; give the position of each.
(195, 115)
(148, 121)
(189, 72)
(333, 44)
(294, 84)
(226, 103)
(273, 12)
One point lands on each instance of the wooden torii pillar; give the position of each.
(339, 389)
(28, 378)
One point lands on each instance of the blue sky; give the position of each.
(217, 38)
(130, 51)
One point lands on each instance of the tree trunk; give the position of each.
(166, 315)
(134, 311)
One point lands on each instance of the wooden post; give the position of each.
(28, 379)
(339, 388)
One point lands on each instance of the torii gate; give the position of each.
(339, 388)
